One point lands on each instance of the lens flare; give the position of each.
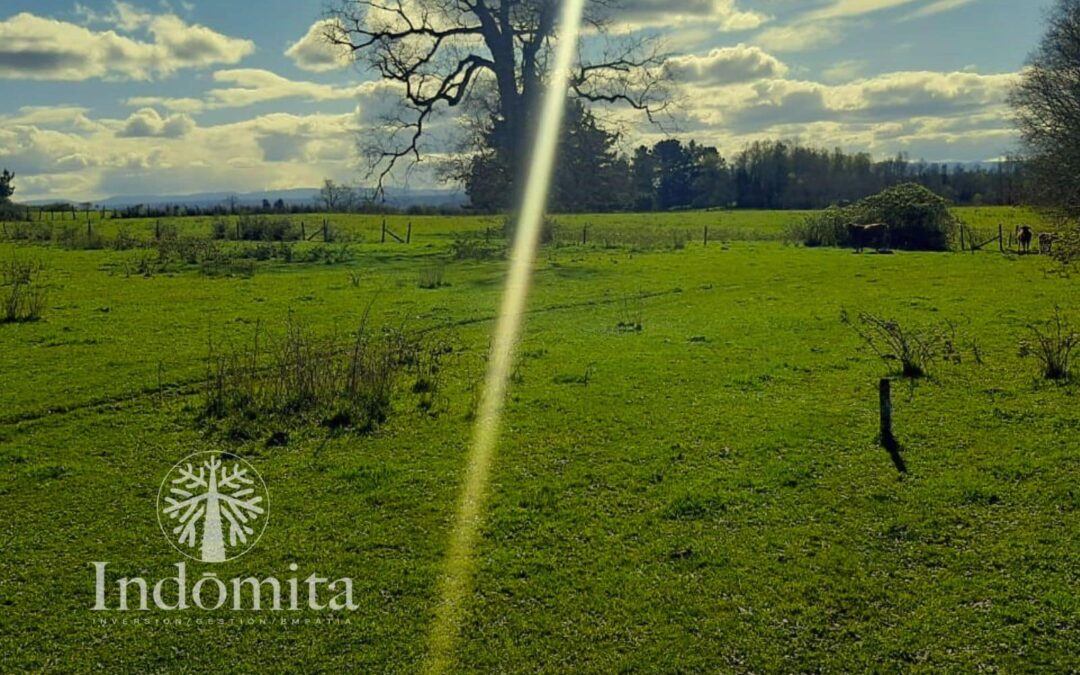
(458, 573)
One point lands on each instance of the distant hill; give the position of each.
(295, 197)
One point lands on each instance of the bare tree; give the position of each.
(337, 198)
(491, 53)
(1047, 105)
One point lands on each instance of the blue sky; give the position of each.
(100, 98)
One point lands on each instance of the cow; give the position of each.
(863, 236)
(1024, 235)
(1046, 242)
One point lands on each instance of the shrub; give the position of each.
(300, 377)
(1066, 248)
(431, 276)
(917, 220)
(548, 229)
(256, 228)
(825, 228)
(913, 348)
(23, 297)
(1052, 345)
(464, 248)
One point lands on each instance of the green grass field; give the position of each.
(705, 494)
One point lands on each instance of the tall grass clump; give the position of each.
(1052, 345)
(300, 377)
(431, 276)
(21, 293)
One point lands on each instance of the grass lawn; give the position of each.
(705, 494)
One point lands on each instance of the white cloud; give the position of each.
(314, 54)
(938, 7)
(720, 15)
(183, 105)
(847, 8)
(802, 36)
(147, 123)
(778, 107)
(36, 48)
(109, 157)
(251, 86)
(726, 65)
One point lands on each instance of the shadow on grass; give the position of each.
(890, 443)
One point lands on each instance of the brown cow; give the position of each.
(1024, 235)
(863, 236)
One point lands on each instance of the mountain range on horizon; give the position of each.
(296, 196)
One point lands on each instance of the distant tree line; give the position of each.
(592, 175)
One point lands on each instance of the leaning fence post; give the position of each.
(885, 395)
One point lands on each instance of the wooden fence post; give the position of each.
(885, 396)
(408, 234)
(325, 231)
(706, 235)
(303, 231)
(383, 240)
(584, 235)
(962, 246)
(1001, 237)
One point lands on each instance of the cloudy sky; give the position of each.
(102, 98)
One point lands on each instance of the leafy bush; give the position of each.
(917, 220)
(256, 228)
(1066, 247)
(824, 228)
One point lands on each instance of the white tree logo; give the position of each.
(204, 496)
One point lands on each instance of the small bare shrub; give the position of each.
(464, 248)
(913, 348)
(1052, 344)
(301, 377)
